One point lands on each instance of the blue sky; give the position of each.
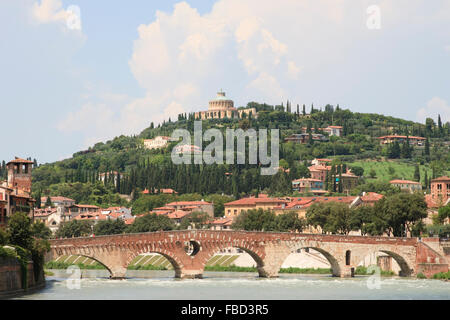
(66, 86)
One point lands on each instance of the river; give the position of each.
(160, 285)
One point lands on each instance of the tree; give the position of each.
(48, 202)
(417, 173)
(40, 230)
(255, 220)
(109, 226)
(290, 222)
(151, 223)
(402, 211)
(372, 173)
(427, 147)
(359, 171)
(20, 231)
(195, 220)
(38, 199)
(443, 213)
(74, 229)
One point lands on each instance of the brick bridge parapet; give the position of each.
(268, 249)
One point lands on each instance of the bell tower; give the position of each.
(19, 174)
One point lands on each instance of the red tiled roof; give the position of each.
(306, 202)
(178, 214)
(307, 179)
(222, 221)
(371, 197)
(401, 137)
(19, 160)
(253, 201)
(335, 127)
(55, 199)
(319, 168)
(404, 181)
(187, 203)
(444, 178)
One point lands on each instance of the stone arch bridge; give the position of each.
(268, 249)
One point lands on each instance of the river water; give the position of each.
(160, 285)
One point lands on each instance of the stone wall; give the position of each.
(11, 278)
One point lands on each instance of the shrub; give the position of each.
(420, 275)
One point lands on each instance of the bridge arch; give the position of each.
(173, 259)
(250, 251)
(332, 260)
(406, 266)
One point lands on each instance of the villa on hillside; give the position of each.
(400, 139)
(158, 143)
(409, 185)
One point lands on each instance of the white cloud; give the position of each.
(250, 47)
(434, 107)
(50, 11)
(293, 70)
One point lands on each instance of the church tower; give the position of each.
(19, 174)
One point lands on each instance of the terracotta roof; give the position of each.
(401, 137)
(222, 221)
(335, 127)
(56, 199)
(85, 206)
(371, 197)
(306, 179)
(178, 214)
(444, 178)
(253, 201)
(404, 181)
(19, 160)
(187, 203)
(305, 202)
(319, 168)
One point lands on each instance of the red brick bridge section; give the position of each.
(268, 249)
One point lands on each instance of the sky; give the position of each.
(74, 73)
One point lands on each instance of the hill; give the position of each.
(141, 169)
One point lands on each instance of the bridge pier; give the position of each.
(189, 274)
(117, 273)
(347, 272)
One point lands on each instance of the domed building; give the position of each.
(222, 107)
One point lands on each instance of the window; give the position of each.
(347, 257)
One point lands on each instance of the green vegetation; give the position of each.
(258, 220)
(442, 275)
(395, 215)
(231, 268)
(361, 270)
(29, 242)
(78, 177)
(65, 265)
(306, 270)
(420, 275)
(146, 267)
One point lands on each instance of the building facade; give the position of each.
(221, 107)
(440, 189)
(157, 143)
(419, 141)
(409, 185)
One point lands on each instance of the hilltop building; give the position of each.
(221, 107)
